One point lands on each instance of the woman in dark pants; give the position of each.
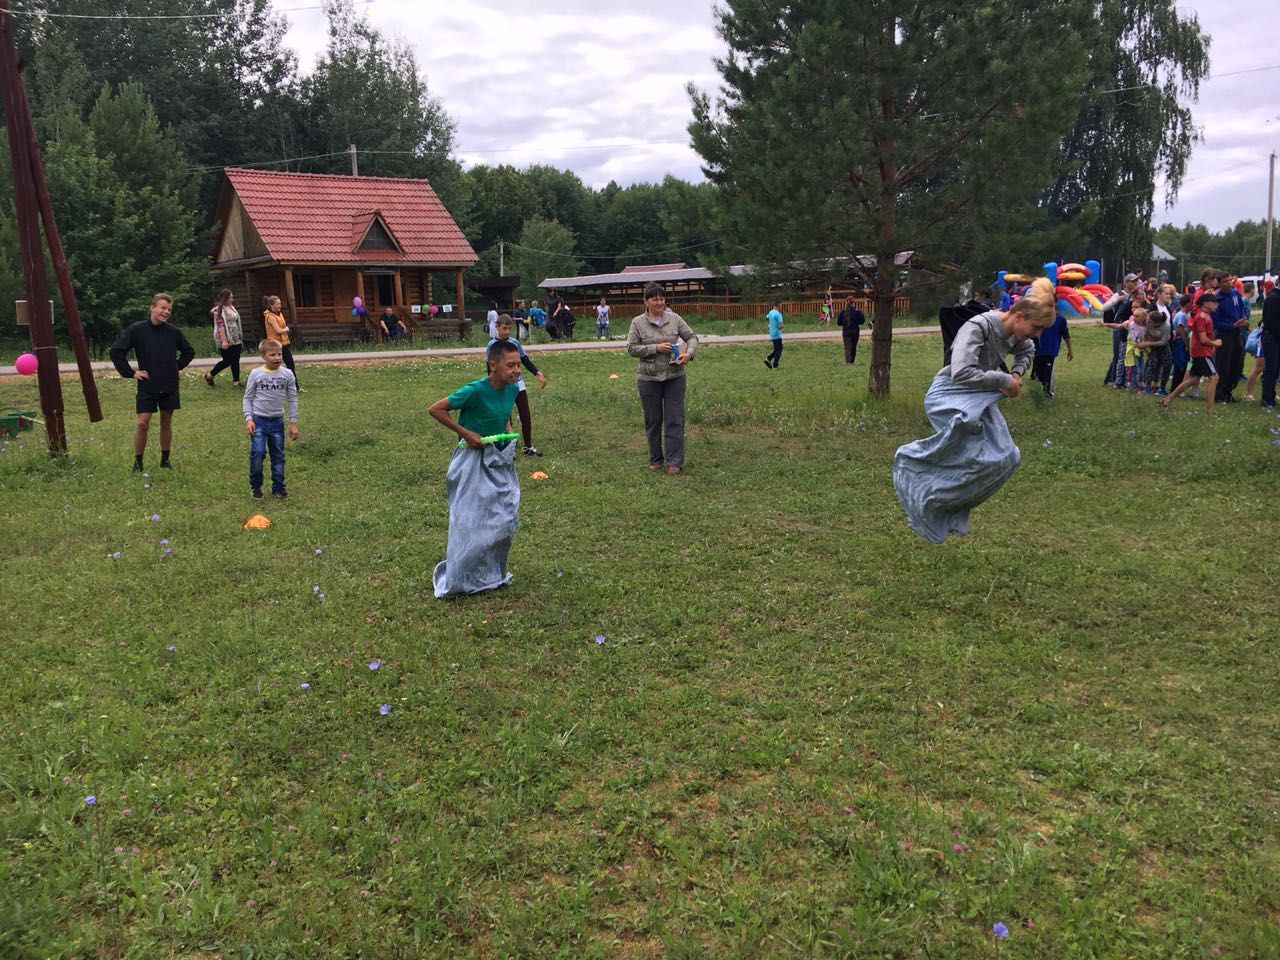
(227, 334)
(655, 341)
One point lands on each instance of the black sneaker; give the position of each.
(532, 452)
(280, 494)
(256, 493)
(166, 464)
(136, 468)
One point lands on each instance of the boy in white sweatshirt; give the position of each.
(266, 393)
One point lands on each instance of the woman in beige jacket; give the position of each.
(655, 341)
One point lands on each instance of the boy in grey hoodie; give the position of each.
(269, 388)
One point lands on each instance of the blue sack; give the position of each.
(1254, 342)
(484, 511)
(941, 478)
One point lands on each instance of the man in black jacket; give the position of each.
(162, 351)
(850, 320)
(1270, 338)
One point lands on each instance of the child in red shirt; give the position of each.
(1202, 346)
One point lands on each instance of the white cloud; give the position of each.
(581, 83)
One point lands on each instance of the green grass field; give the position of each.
(806, 732)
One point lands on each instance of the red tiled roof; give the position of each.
(317, 218)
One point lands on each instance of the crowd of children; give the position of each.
(1160, 333)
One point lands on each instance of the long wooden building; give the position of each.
(318, 241)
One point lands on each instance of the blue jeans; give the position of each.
(268, 435)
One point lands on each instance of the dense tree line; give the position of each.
(980, 144)
(136, 121)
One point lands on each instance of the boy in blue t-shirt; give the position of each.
(522, 397)
(1048, 344)
(774, 317)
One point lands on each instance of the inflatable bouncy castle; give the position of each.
(1080, 294)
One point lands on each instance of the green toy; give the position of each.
(493, 438)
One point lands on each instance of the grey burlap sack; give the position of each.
(484, 511)
(941, 478)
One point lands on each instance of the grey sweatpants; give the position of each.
(663, 405)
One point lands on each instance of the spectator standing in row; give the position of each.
(1156, 343)
(1269, 344)
(1115, 314)
(1228, 321)
(1180, 341)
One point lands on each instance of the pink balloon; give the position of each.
(434, 309)
(27, 364)
(357, 302)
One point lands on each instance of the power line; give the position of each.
(266, 163)
(610, 256)
(24, 12)
(1211, 76)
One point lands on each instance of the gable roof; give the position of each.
(319, 218)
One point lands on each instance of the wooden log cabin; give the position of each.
(318, 241)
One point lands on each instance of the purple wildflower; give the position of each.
(374, 664)
(155, 516)
(306, 686)
(1000, 931)
(599, 638)
(115, 555)
(384, 709)
(90, 800)
(319, 552)
(315, 588)
(171, 648)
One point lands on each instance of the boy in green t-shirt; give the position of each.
(484, 405)
(481, 483)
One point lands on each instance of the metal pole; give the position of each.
(1271, 191)
(30, 248)
(79, 346)
(355, 166)
(502, 261)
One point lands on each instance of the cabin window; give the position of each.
(305, 292)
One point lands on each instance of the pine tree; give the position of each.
(846, 129)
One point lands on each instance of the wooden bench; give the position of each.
(437, 329)
(336, 332)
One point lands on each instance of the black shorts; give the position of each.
(150, 402)
(1203, 367)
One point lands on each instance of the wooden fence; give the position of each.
(584, 308)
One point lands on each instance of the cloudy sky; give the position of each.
(597, 87)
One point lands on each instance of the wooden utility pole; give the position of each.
(32, 203)
(31, 250)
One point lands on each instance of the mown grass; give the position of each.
(806, 733)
